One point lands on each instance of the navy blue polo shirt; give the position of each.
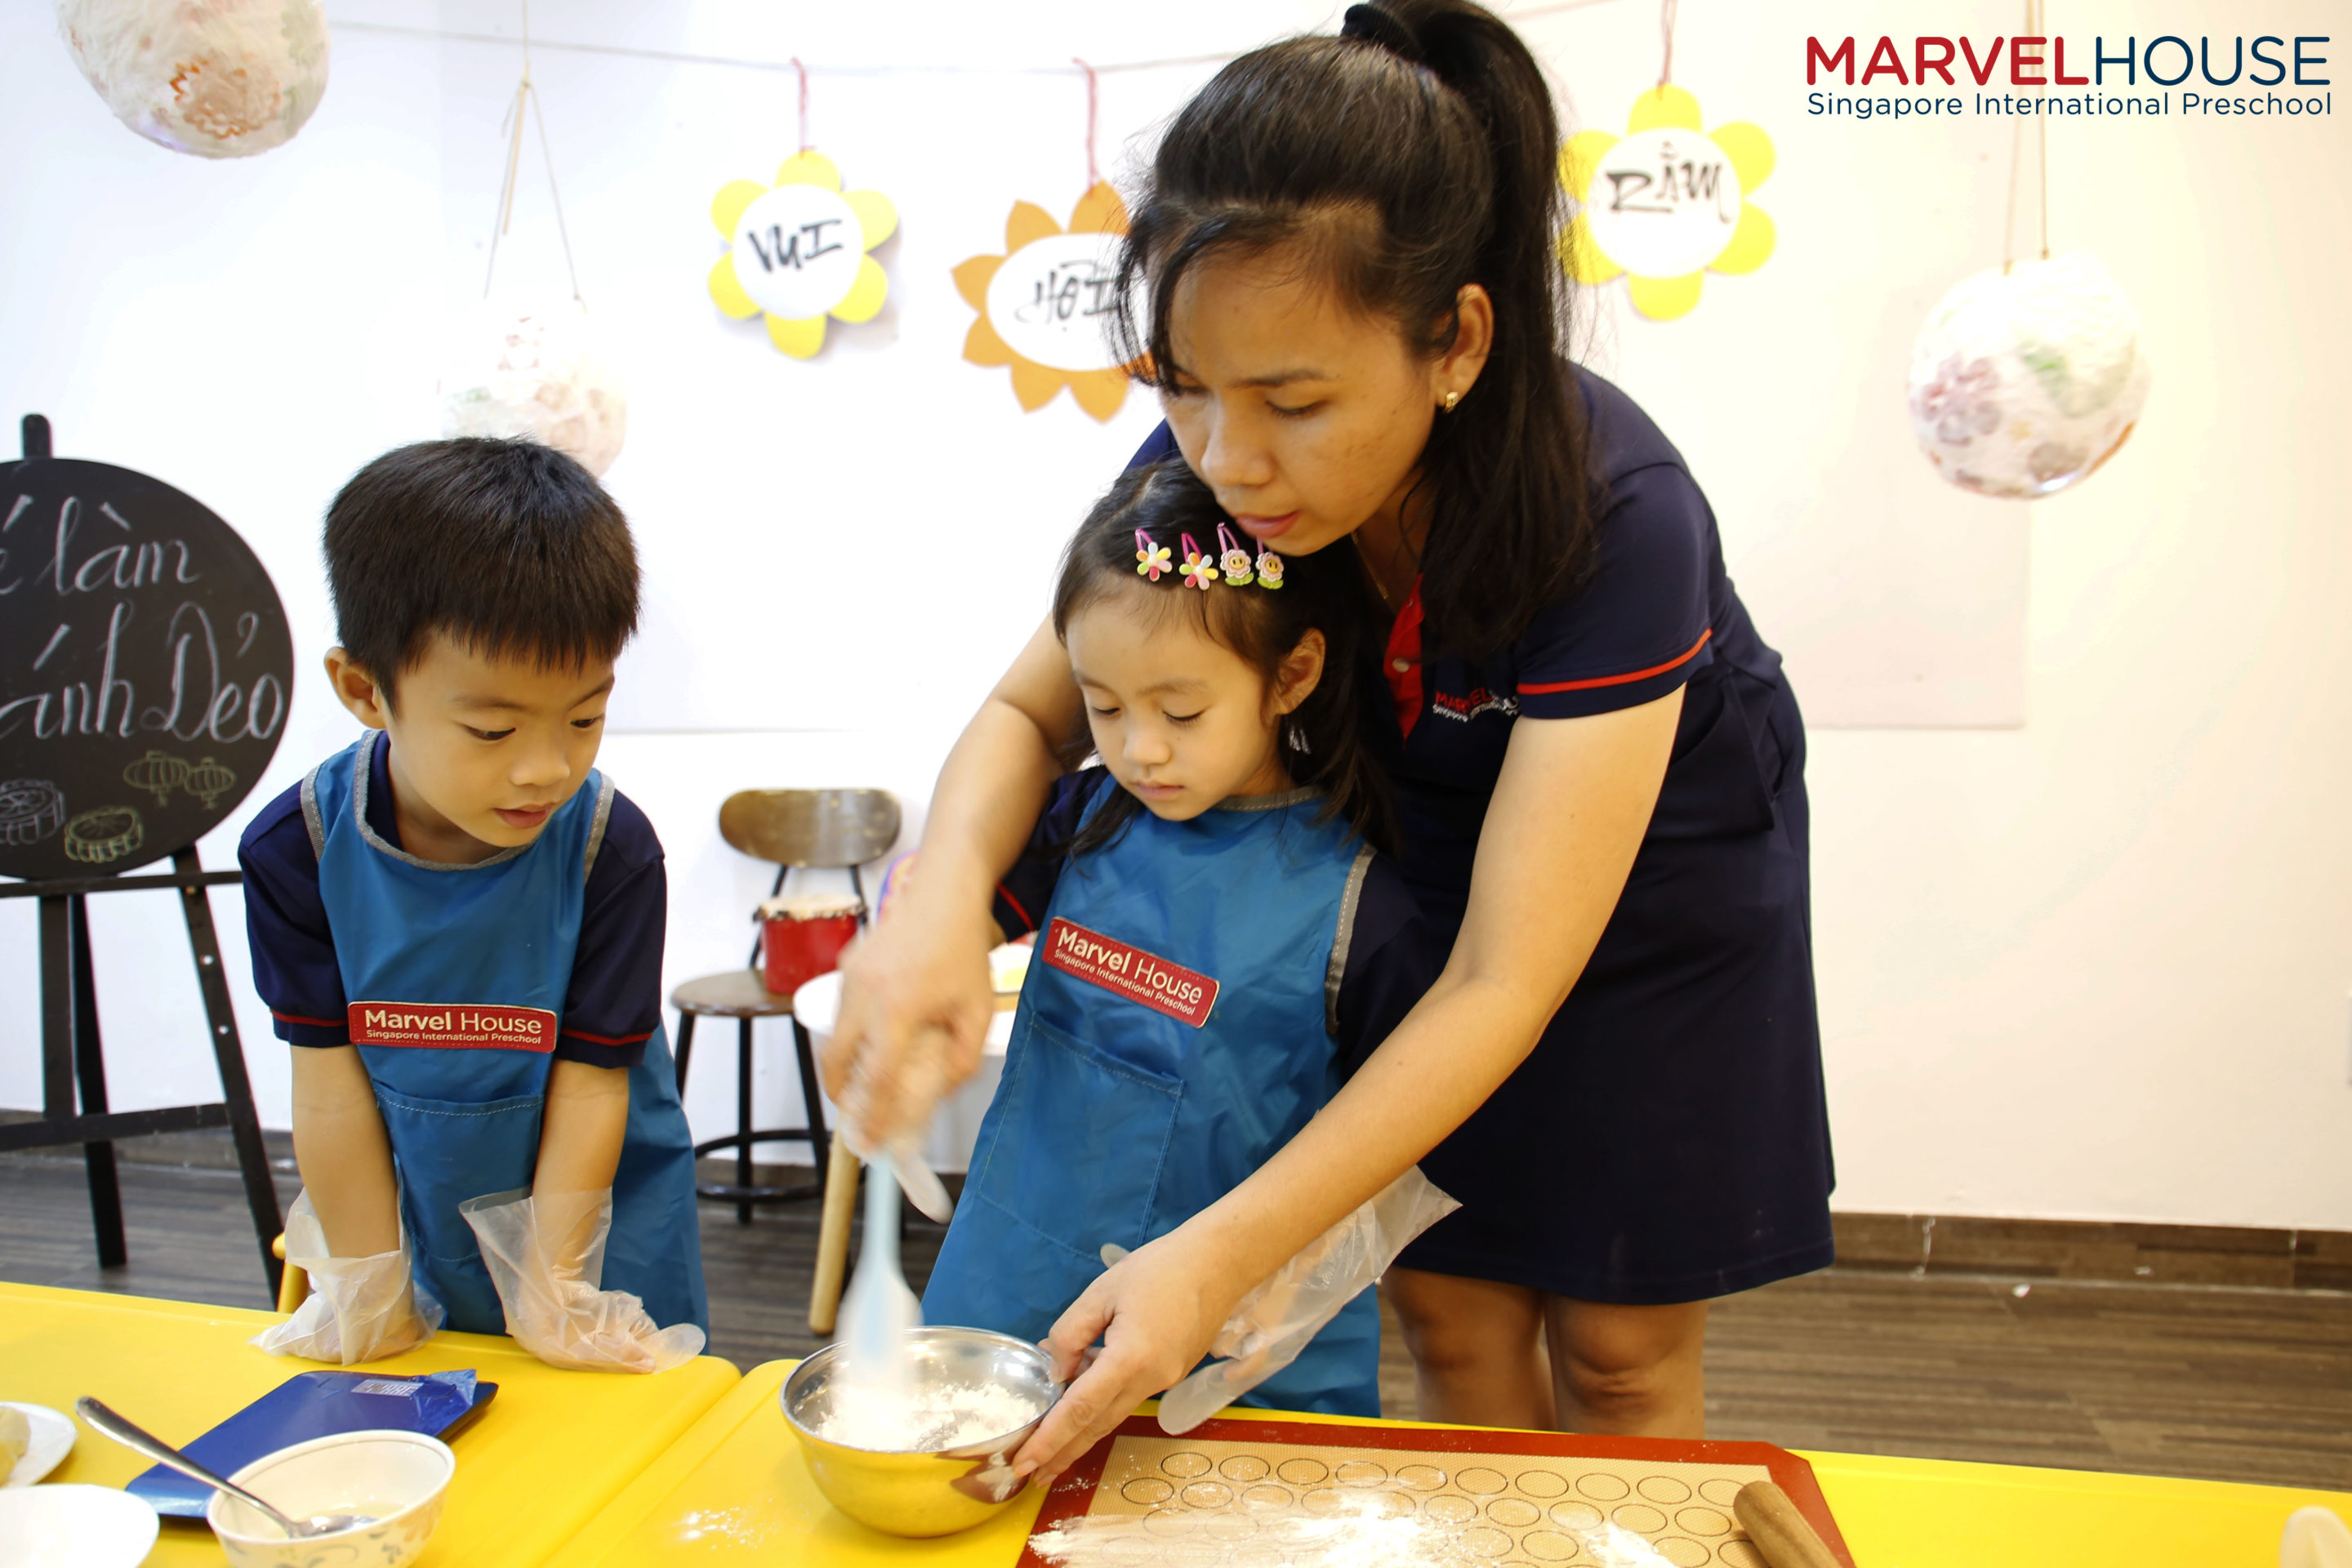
(613, 1002)
(1657, 609)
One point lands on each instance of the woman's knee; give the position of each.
(1449, 1322)
(1625, 1361)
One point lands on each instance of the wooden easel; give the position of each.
(72, 1057)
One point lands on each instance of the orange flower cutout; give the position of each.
(1044, 302)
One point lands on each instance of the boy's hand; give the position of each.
(358, 1310)
(546, 1255)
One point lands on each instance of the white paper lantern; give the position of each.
(540, 373)
(220, 78)
(2023, 383)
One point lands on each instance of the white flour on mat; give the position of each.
(1363, 1532)
(896, 1421)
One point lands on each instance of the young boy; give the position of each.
(456, 923)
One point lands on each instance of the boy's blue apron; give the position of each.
(438, 961)
(1116, 1121)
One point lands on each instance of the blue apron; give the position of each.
(455, 977)
(1120, 1117)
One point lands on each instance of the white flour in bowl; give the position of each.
(896, 1421)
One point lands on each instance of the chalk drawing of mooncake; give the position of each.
(31, 810)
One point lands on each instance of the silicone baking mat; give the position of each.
(1270, 1492)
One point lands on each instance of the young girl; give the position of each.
(1219, 941)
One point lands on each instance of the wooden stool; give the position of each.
(839, 829)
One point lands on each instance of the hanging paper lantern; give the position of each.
(2024, 381)
(220, 78)
(1044, 302)
(538, 372)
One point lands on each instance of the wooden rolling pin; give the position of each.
(1782, 1535)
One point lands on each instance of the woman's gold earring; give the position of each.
(1451, 399)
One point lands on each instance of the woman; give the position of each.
(1349, 245)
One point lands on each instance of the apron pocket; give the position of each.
(1109, 1124)
(449, 1152)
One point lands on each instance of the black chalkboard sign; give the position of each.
(146, 668)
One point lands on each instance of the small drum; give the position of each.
(804, 936)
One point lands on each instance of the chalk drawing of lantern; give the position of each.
(797, 252)
(1666, 203)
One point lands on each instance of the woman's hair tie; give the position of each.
(1375, 25)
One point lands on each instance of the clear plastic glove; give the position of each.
(359, 1308)
(546, 1258)
(2316, 1537)
(1275, 1321)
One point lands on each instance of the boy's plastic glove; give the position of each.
(1275, 1321)
(546, 1258)
(359, 1308)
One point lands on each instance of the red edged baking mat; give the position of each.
(1251, 1492)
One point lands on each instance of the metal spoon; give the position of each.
(101, 1419)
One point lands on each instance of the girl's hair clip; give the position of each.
(1151, 560)
(1269, 569)
(1199, 572)
(1235, 560)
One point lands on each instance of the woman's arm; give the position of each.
(343, 1153)
(1568, 814)
(915, 1001)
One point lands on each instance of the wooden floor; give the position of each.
(2234, 1384)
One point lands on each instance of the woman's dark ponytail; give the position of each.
(1413, 154)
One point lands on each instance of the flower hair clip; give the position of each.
(1269, 569)
(1235, 560)
(1199, 573)
(1151, 560)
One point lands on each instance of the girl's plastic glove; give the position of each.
(546, 1258)
(359, 1308)
(1275, 1321)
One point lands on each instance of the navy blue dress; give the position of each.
(1667, 1140)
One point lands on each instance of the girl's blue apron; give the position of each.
(1116, 1121)
(436, 959)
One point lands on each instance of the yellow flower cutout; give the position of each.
(1044, 302)
(1666, 203)
(796, 250)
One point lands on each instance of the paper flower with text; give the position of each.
(1045, 303)
(797, 252)
(1666, 203)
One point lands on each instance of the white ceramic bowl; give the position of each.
(397, 1477)
(74, 1527)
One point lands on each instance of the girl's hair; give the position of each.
(1413, 154)
(1321, 739)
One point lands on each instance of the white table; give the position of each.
(956, 1124)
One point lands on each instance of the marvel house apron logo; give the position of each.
(450, 1026)
(1130, 972)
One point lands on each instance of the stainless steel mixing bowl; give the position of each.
(922, 1493)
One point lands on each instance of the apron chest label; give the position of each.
(451, 1026)
(1130, 972)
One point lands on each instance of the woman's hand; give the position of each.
(915, 998)
(914, 1009)
(1156, 1311)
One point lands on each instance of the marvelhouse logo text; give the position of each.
(2162, 75)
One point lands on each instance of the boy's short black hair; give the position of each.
(508, 546)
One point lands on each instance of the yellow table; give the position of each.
(550, 1450)
(1933, 1513)
(733, 1489)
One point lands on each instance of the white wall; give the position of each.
(2096, 967)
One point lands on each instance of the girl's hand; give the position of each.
(915, 1010)
(1156, 1311)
